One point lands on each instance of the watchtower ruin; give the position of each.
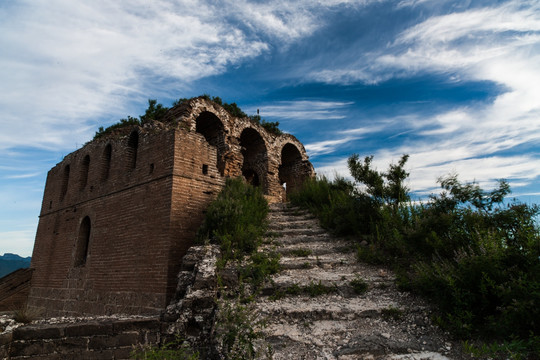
(119, 213)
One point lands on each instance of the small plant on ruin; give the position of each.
(359, 285)
(176, 350)
(300, 252)
(270, 126)
(154, 111)
(26, 315)
(317, 289)
(259, 267)
(392, 312)
(239, 332)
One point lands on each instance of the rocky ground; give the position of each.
(324, 304)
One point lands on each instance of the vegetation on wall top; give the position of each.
(157, 112)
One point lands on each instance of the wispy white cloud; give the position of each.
(305, 110)
(23, 176)
(500, 44)
(327, 146)
(65, 64)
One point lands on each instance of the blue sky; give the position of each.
(454, 84)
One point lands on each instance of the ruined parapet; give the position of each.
(245, 148)
(191, 312)
(119, 213)
(14, 289)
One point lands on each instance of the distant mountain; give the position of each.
(11, 262)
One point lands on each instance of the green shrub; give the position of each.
(270, 126)
(335, 206)
(359, 285)
(236, 220)
(300, 252)
(392, 312)
(260, 266)
(316, 289)
(238, 330)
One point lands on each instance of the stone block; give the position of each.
(71, 345)
(31, 348)
(5, 338)
(136, 324)
(31, 332)
(88, 329)
(101, 342)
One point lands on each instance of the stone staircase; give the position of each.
(324, 304)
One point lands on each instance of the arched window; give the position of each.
(85, 167)
(133, 145)
(65, 182)
(255, 165)
(106, 162)
(83, 240)
(211, 127)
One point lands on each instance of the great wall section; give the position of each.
(333, 320)
(114, 268)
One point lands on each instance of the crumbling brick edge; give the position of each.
(189, 316)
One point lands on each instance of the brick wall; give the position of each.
(113, 339)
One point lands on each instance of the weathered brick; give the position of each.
(5, 338)
(136, 324)
(31, 348)
(30, 332)
(88, 329)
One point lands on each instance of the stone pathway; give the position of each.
(316, 307)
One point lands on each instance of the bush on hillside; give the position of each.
(475, 256)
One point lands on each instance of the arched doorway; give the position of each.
(255, 164)
(209, 125)
(291, 170)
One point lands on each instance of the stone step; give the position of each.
(279, 217)
(324, 304)
(290, 214)
(285, 208)
(378, 345)
(296, 239)
(313, 248)
(293, 224)
(324, 262)
(346, 288)
(362, 338)
(299, 232)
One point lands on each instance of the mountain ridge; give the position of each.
(10, 262)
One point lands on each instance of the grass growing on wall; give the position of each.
(476, 256)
